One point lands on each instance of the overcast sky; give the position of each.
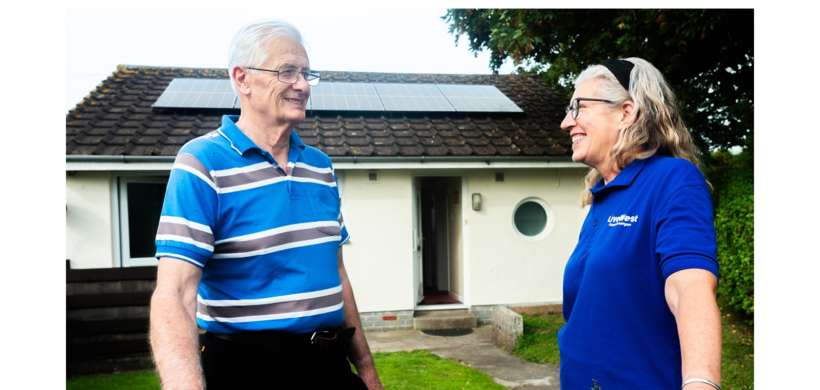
(372, 40)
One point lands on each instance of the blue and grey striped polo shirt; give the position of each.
(266, 237)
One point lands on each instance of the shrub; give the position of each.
(733, 199)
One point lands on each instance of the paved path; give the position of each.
(475, 350)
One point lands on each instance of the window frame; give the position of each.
(548, 226)
(123, 247)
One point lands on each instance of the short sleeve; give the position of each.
(686, 231)
(345, 234)
(186, 225)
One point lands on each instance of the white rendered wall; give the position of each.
(88, 220)
(379, 256)
(504, 266)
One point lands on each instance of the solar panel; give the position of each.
(217, 93)
(345, 97)
(197, 93)
(477, 98)
(412, 97)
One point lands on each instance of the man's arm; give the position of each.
(690, 294)
(359, 352)
(174, 335)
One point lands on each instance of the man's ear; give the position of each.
(241, 79)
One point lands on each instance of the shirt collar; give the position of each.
(626, 176)
(241, 143)
(295, 141)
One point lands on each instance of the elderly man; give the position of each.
(250, 243)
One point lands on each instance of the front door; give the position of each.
(437, 223)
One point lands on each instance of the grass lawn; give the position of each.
(421, 370)
(145, 380)
(539, 344)
(738, 366)
(417, 370)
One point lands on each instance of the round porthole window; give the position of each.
(531, 218)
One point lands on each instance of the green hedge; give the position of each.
(733, 179)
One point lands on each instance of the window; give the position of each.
(531, 218)
(140, 208)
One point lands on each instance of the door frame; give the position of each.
(418, 285)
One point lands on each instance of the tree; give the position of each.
(706, 55)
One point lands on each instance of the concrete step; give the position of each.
(443, 319)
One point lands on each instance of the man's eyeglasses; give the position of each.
(573, 106)
(291, 75)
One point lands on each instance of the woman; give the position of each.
(639, 288)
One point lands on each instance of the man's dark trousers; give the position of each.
(238, 365)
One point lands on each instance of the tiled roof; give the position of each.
(117, 119)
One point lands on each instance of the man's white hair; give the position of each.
(248, 47)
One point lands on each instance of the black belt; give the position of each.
(321, 339)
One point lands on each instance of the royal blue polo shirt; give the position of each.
(265, 236)
(654, 219)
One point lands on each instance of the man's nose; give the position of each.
(301, 82)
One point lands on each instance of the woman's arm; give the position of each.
(690, 294)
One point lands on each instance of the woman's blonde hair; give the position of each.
(658, 126)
